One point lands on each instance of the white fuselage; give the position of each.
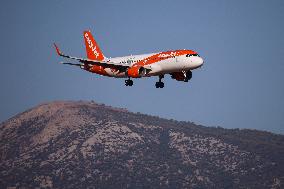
(169, 64)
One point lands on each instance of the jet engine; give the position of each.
(136, 72)
(180, 76)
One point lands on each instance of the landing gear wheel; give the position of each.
(128, 82)
(159, 84)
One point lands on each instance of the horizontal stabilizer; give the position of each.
(72, 64)
(104, 64)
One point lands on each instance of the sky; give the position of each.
(242, 43)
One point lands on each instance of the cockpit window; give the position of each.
(189, 55)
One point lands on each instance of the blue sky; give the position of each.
(242, 43)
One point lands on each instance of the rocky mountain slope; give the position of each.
(88, 145)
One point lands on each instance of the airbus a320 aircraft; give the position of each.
(177, 63)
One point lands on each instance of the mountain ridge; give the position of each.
(67, 144)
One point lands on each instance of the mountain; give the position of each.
(81, 144)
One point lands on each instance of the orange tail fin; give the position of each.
(93, 50)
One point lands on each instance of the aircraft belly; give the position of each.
(166, 66)
(115, 73)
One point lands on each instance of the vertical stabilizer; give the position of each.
(93, 50)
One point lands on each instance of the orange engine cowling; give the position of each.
(136, 72)
(179, 76)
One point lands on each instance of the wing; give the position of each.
(106, 64)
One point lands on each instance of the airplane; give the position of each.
(177, 63)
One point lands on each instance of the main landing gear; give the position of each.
(160, 84)
(128, 82)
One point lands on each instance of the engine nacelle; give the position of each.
(136, 72)
(179, 76)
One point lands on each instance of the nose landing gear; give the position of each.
(160, 84)
(128, 82)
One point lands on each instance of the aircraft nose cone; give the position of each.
(199, 61)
